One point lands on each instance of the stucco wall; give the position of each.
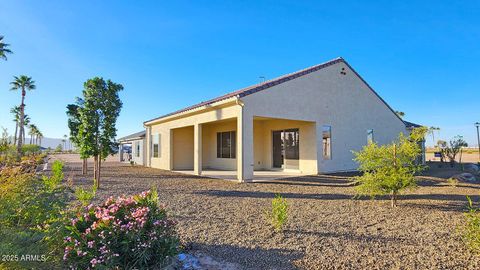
(327, 97)
(182, 148)
(263, 144)
(138, 160)
(209, 146)
(165, 160)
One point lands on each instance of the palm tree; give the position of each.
(39, 137)
(33, 133)
(16, 118)
(3, 49)
(23, 83)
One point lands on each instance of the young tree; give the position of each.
(453, 148)
(389, 169)
(98, 116)
(74, 122)
(23, 83)
(3, 49)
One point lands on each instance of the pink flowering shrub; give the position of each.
(123, 233)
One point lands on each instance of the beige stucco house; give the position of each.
(308, 121)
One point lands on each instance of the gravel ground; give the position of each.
(327, 229)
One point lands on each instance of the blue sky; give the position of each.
(420, 56)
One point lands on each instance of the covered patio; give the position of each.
(279, 148)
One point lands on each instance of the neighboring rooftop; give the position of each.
(134, 136)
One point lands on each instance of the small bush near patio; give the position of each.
(471, 233)
(278, 214)
(389, 169)
(123, 233)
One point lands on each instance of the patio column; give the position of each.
(197, 149)
(121, 152)
(244, 147)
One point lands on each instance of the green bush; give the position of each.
(124, 233)
(85, 196)
(31, 219)
(471, 234)
(391, 168)
(57, 175)
(278, 214)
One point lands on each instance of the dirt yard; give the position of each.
(327, 229)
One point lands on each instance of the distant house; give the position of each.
(132, 148)
(308, 121)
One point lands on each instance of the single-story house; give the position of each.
(308, 121)
(132, 148)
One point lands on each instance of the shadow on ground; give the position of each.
(251, 258)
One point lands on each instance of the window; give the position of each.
(226, 144)
(327, 137)
(155, 145)
(137, 149)
(369, 136)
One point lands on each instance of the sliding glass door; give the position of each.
(286, 151)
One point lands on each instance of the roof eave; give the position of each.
(189, 112)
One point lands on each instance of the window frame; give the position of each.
(137, 149)
(327, 142)
(232, 137)
(155, 144)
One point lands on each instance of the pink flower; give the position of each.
(90, 244)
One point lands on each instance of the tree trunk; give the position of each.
(84, 166)
(95, 164)
(393, 199)
(22, 116)
(16, 131)
(99, 166)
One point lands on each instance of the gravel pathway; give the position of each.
(326, 228)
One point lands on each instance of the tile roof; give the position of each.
(257, 87)
(270, 83)
(411, 125)
(137, 135)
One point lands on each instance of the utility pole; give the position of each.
(477, 125)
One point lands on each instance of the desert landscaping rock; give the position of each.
(327, 229)
(466, 177)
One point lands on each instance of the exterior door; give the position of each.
(277, 149)
(286, 150)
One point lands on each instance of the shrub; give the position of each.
(471, 233)
(30, 149)
(85, 196)
(124, 233)
(279, 212)
(31, 218)
(389, 169)
(453, 182)
(57, 175)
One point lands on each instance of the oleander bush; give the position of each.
(123, 233)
